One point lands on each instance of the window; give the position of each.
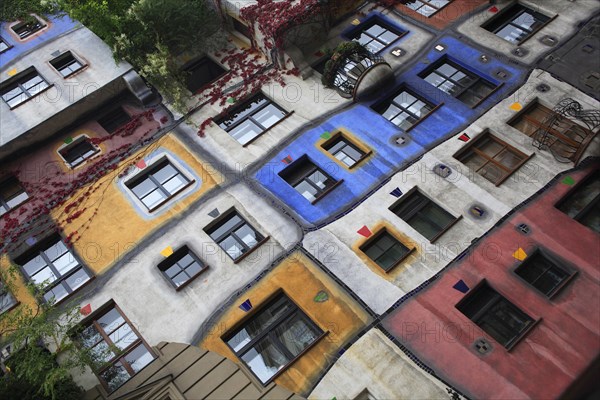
(497, 316)
(458, 82)
(157, 184)
(78, 151)
(583, 203)
(344, 150)
(308, 179)
(22, 87)
(376, 35)
(425, 7)
(276, 334)
(202, 72)
(66, 64)
(116, 348)
(404, 109)
(12, 195)
(543, 272)
(252, 118)
(27, 28)
(53, 266)
(234, 235)
(516, 23)
(7, 301)
(114, 120)
(426, 217)
(3, 45)
(181, 267)
(385, 250)
(241, 28)
(491, 158)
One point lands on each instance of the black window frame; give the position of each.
(66, 60)
(376, 20)
(495, 300)
(427, 3)
(468, 89)
(3, 198)
(18, 81)
(66, 152)
(216, 71)
(114, 120)
(38, 250)
(7, 299)
(175, 259)
(231, 232)
(382, 106)
(588, 209)
(7, 46)
(339, 137)
(510, 14)
(147, 173)
(294, 178)
(407, 199)
(233, 119)
(553, 266)
(373, 241)
(292, 311)
(27, 29)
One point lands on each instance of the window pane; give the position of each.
(123, 337)
(77, 279)
(232, 247)
(115, 376)
(245, 132)
(45, 276)
(248, 235)
(265, 360)
(306, 190)
(165, 173)
(34, 265)
(143, 188)
(154, 199)
(226, 226)
(111, 320)
(89, 336)
(512, 33)
(296, 335)
(56, 294)
(193, 269)
(101, 353)
(175, 184)
(65, 263)
(269, 115)
(139, 357)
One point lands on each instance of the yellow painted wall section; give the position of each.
(111, 224)
(16, 286)
(301, 280)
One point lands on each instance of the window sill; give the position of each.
(252, 250)
(446, 229)
(325, 193)
(268, 129)
(32, 97)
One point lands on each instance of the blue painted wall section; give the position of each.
(56, 26)
(377, 133)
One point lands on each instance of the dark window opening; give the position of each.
(583, 202)
(114, 120)
(12, 195)
(181, 267)
(234, 235)
(241, 28)
(66, 64)
(22, 87)
(543, 272)
(27, 28)
(404, 109)
(385, 250)
(201, 73)
(308, 180)
(78, 151)
(516, 23)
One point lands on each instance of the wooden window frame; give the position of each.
(174, 259)
(555, 263)
(377, 235)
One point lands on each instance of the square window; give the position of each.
(273, 337)
(309, 180)
(114, 120)
(385, 250)
(78, 151)
(516, 23)
(66, 64)
(27, 28)
(497, 316)
(491, 158)
(12, 195)
(458, 82)
(251, 118)
(3, 45)
(426, 7)
(234, 235)
(7, 301)
(22, 87)
(344, 150)
(583, 202)
(547, 274)
(376, 34)
(55, 268)
(117, 350)
(158, 184)
(425, 216)
(181, 267)
(404, 109)
(202, 72)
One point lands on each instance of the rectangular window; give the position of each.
(385, 250)
(22, 87)
(157, 184)
(404, 109)
(543, 272)
(54, 267)
(275, 335)
(202, 72)
(516, 23)
(78, 151)
(344, 150)
(310, 181)
(376, 35)
(234, 235)
(181, 267)
(7, 301)
(116, 348)
(491, 158)
(12, 195)
(114, 120)
(27, 28)
(426, 7)
(426, 217)
(583, 202)
(3, 45)
(252, 118)
(66, 64)
(241, 28)
(497, 316)
(458, 82)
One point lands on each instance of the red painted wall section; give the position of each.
(558, 349)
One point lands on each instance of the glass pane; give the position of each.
(232, 247)
(154, 199)
(180, 279)
(265, 360)
(123, 337)
(143, 188)
(245, 132)
(509, 159)
(307, 190)
(375, 30)
(391, 112)
(77, 279)
(427, 11)
(446, 70)
(18, 199)
(37, 88)
(173, 270)
(139, 357)
(374, 46)
(65, 263)
(404, 120)
(437, 214)
(34, 265)
(388, 37)
(404, 99)
(226, 226)
(248, 235)
(269, 115)
(435, 79)
(175, 184)
(423, 226)
(319, 179)
(525, 20)
(89, 336)
(101, 353)
(31, 82)
(12, 102)
(56, 294)
(45, 276)
(115, 376)
(186, 260)
(110, 321)
(166, 172)
(512, 33)
(193, 269)
(296, 335)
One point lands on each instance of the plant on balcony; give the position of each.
(339, 57)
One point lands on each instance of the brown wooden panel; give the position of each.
(277, 393)
(196, 371)
(211, 381)
(229, 388)
(251, 392)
